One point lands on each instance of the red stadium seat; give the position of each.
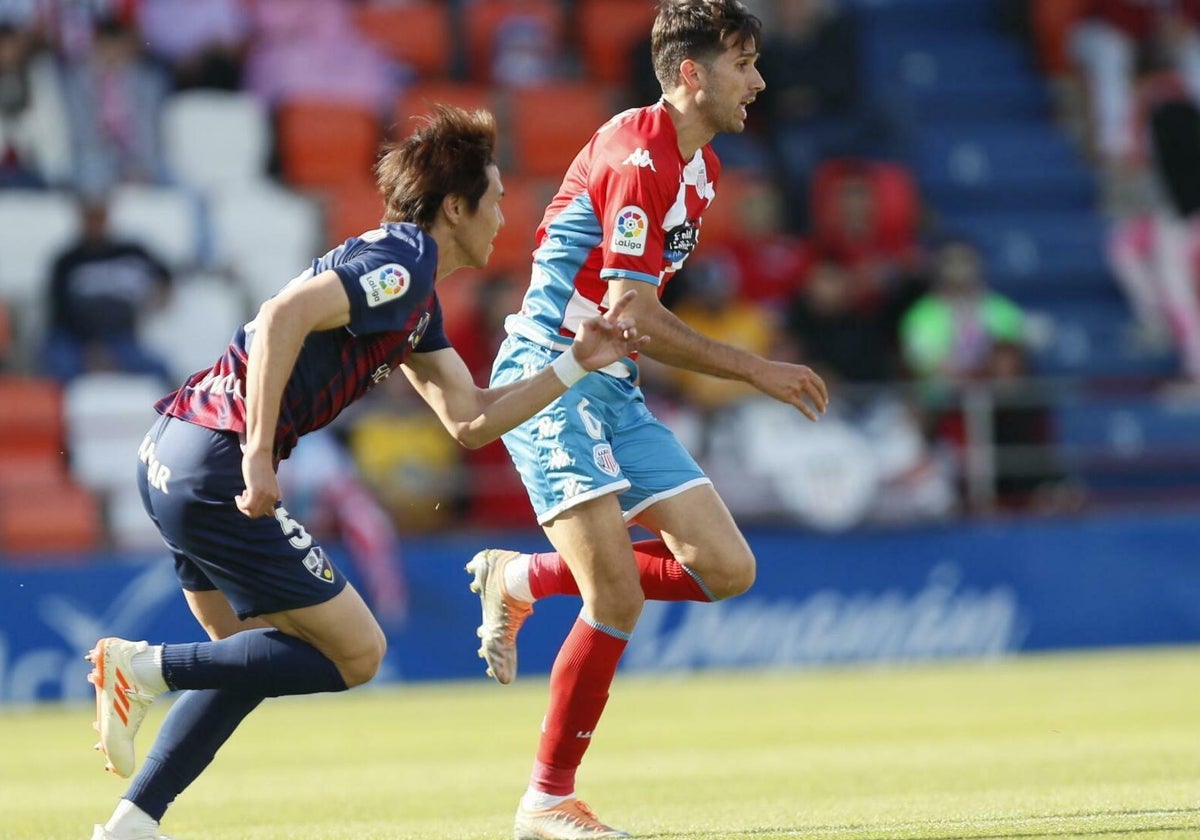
(31, 470)
(30, 415)
(352, 208)
(523, 205)
(609, 30)
(417, 33)
(897, 204)
(482, 19)
(324, 144)
(1052, 21)
(549, 124)
(419, 97)
(61, 519)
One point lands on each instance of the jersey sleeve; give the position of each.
(434, 337)
(386, 283)
(631, 203)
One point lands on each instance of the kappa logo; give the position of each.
(384, 284)
(318, 565)
(630, 230)
(640, 158)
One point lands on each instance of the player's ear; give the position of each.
(691, 74)
(453, 208)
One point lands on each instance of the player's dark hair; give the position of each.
(448, 154)
(697, 29)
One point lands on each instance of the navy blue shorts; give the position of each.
(189, 477)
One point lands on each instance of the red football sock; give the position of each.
(579, 682)
(663, 577)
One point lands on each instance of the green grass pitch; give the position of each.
(1102, 745)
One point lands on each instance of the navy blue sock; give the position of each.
(194, 729)
(263, 663)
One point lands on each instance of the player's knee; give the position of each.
(362, 666)
(617, 604)
(735, 576)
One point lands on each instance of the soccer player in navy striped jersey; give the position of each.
(282, 618)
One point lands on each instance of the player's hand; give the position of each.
(262, 485)
(608, 338)
(797, 385)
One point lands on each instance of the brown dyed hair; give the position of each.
(697, 29)
(447, 154)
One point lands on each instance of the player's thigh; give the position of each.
(592, 539)
(701, 533)
(342, 628)
(215, 614)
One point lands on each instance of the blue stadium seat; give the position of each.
(1040, 254)
(1092, 339)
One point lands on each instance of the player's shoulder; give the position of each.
(637, 137)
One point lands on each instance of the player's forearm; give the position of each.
(676, 344)
(273, 352)
(504, 408)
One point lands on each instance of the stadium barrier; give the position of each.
(975, 591)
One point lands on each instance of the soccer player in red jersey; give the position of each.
(281, 616)
(626, 217)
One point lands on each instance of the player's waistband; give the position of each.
(524, 328)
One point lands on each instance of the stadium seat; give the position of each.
(523, 205)
(166, 220)
(1052, 24)
(897, 204)
(31, 419)
(609, 30)
(107, 415)
(31, 470)
(214, 139)
(201, 315)
(722, 221)
(549, 124)
(482, 19)
(56, 520)
(35, 226)
(418, 97)
(351, 208)
(417, 33)
(322, 143)
(265, 235)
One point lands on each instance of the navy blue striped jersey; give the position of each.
(388, 274)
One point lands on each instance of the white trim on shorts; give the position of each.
(666, 494)
(615, 487)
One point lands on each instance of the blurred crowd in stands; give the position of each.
(167, 164)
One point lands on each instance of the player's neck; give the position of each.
(450, 255)
(691, 128)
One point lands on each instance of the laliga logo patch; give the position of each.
(385, 283)
(629, 233)
(318, 565)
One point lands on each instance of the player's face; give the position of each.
(478, 230)
(730, 86)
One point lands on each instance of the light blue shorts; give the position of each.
(597, 438)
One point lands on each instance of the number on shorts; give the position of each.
(293, 530)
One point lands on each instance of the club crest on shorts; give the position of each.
(318, 565)
(605, 460)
